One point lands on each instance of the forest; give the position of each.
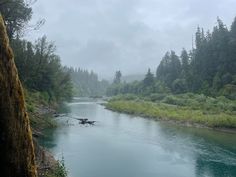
(87, 84)
(38, 65)
(197, 87)
(209, 68)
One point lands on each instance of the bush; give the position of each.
(59, 171)
(170, 99)
(157, 97)
(229, 91)
(179, 86)
(201, 98)
(30, 108)
(207, 115)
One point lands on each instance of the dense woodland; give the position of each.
(40, 69)
(87, 83)
(209, 68)
(38, 64)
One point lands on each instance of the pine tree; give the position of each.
(149, 79)
(117, 79)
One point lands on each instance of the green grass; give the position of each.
(36, 102)
(194, 109)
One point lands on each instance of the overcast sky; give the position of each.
(126, 35)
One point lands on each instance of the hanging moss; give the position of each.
(16, 145)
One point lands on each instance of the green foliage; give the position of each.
(213, 62)
(87, 83)
(117, 79)
(154, 97)
(179, 86)
(185, 63)
(59, 171)
(149, 79)
(169, 69)
(16, 14)
(170, 99)
(125, 97)
(40, 69)
(229, 91)
(144, 87)
(208, 69)
(37, 108)
(187, 108)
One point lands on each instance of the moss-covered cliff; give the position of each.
(17, 157)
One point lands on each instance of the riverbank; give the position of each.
(41, 115)
(217, 113)
(40, 111)
(117, 142)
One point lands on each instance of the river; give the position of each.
(121, 145)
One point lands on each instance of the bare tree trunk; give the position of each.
(17, 157)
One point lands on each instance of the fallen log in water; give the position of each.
(83, 121)
(86, 121)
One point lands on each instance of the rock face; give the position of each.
(17, 157)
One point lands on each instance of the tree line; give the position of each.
(86, 83)
(209, 68)
(40, 69)
(38, 65)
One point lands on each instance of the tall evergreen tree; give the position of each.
(117, 79)
(169, 68)
(149, 79)
(185, 63)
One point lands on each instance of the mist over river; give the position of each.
(121, 145)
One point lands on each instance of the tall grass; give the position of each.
(188, 108)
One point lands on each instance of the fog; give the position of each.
(126, 35)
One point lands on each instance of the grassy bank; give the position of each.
(186, 108)
(41, 117)
(40, 111)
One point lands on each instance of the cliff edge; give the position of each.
(17, 157)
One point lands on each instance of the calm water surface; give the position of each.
(121, 145)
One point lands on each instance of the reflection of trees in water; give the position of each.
(205, 167)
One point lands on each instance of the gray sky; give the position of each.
(126, 35)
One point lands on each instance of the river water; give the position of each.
(120, 145)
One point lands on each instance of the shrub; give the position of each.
(170, 99)
(157, 97)
(201, 98)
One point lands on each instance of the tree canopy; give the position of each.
(209, 68)
(40, 68)
(86, 83)
(16, 14)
